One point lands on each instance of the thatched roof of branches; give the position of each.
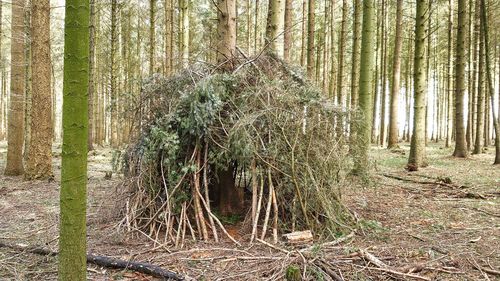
(283, 143)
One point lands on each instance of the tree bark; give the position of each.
(152, 36)
(340, 70)
(273, 25)
(480, 94)
(396, 77)
(310, 39)
(460, 144)
(91, 88)
(356, 42)
(489, 74)
(417, 157)
(15, 133)
(113, 74)
(365, 88)
(226, 32)
(287, 39)
(72, 235)
(449, 79)
(39, 158)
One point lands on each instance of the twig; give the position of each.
(392, 271)
(273, 246)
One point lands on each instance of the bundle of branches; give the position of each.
(208, 143)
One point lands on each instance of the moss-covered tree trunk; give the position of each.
(72, 237)
(39, 157)
(460, 60)
(489, 74)
(365, 88)
(15, 137)
(396, 78)
(417, 148)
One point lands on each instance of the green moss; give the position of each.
(293, 273)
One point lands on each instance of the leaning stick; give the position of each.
(259, 203)
(207, 198)
(269, 204)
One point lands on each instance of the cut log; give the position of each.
(299, 236)
(104, 261)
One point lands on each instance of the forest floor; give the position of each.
(444, 219)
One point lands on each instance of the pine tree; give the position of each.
(417, 148)
(15, 140)
(460, 60)
(72, 237)
(274, 18)
(91, 89)
(39, 157)
(152, 36)
(356, 42)
(310, 38)
(396, 77)
(449, 76)
(226, 32)
(287, 37)
(365, 87)
(489, 77)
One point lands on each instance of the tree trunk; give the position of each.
(489, 74)
(168, 36)
(114, 61)
(480, 93)
(226, 32)
(340, 70)
(383, 80)
(273, 25)
(256, 27)
(39, 158)
(152, 36)
(356, 42)
(460, 144)
(287, 39)
(449, 79)
(396, 77)
(310, 39)
(72, 236)
(3, 98)
(15, 136)
(303, 46)
(91, 89)
(184, 34)
(365, 88)
(417, 149)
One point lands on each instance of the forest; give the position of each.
(250, 140)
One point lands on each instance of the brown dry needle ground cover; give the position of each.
(440, 223)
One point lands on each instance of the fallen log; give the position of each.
(437, 182)
(108, 262)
